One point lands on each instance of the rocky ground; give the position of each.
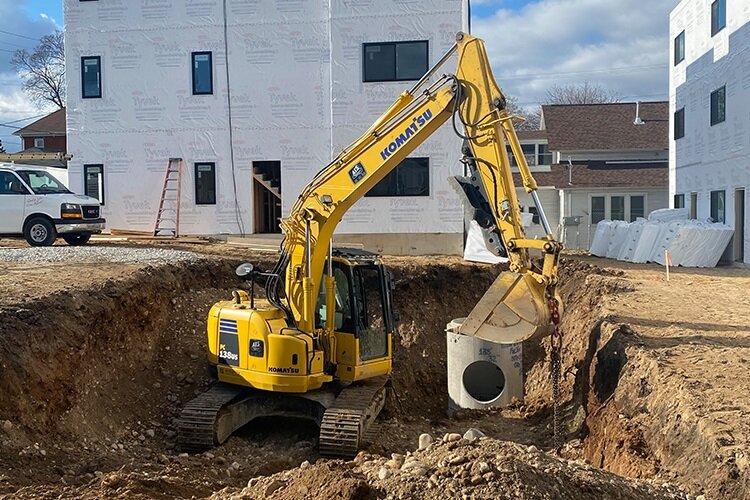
(97, 357)
(452, 466)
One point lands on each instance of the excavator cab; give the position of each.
(364, 315)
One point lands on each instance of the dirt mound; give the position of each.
(451, 467)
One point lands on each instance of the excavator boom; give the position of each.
(516, 306)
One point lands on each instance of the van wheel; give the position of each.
(39, 232)
(76, 239)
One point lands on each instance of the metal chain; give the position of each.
(555, 369)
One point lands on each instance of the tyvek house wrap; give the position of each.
(297, 96)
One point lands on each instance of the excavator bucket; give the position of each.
(511, 311)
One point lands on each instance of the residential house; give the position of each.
(709, 100)
(46, 135)
(256, 97)
(597, 161)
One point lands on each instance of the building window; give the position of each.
(91, 77)
(718, 211)
(545, 155)
(394, 61)
(617, 207)
(718, 16)
(597, 209)
(203, 73)
(410, 178)
(679, 201)
(679, 124)
(205, 184)
(637, 207)
(693, 206)
(535, 154)
(93, 181)
(39, 142)
(679, 48)
(535, 215)
(718, 105)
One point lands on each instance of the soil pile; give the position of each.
(472, 466)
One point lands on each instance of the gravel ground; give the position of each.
(96, 254)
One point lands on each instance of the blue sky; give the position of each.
(52, 8)
(533, 44)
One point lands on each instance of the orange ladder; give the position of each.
(169, 206)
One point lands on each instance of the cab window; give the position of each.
(371, 326)
(343, 321)
(9, 184)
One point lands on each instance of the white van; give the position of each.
(36, 205)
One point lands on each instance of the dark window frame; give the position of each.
(395, 61)
(679, 123)
(630, 215)
(679, 48)
(719, 194)
(83, 77)
(715, 118)
(718, 23)
(195, 172)
(603, 210)
(210, 70)
(394, 172)
(86, 168)
(611, 207)
(679, 201)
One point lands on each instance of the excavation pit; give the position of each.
(93, 376)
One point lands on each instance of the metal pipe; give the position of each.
(330, 258)
(433, 69)
(308, 271)
(540, 211)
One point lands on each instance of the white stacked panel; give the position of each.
(619, 234)
(631, 240)
(602, 235)
(690, 243)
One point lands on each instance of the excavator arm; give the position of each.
(516, 306)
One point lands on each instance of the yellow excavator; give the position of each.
(319, 345)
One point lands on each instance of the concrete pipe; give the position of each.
(481, 374)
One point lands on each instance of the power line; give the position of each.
(603, 70)
(16, 34)
(24, 119)
(12, 44)
(6, 50)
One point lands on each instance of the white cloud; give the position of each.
(622, 45)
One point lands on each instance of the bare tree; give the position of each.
(532, 118)
(43, 70)
(580, 93)
(2, 149)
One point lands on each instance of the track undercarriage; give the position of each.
(345, 416)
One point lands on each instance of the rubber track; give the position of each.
(346, 423)
(195, 428)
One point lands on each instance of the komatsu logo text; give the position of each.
(274, 369)
(403, 137)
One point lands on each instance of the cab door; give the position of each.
(12, 202)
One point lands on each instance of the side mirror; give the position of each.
(244, 270)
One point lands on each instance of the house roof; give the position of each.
(52, 124)
(587, 127)
(531, 134)
(602, 174)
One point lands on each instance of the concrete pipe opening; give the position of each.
(484, 381)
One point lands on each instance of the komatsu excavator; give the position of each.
(319, 345)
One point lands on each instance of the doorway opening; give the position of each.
(267, 196)
(739, 225)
